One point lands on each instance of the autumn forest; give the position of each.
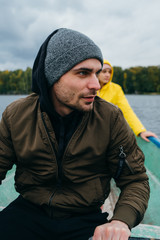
(133, 80)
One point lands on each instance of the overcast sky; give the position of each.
(127, 31)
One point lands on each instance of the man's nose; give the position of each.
(94, 83)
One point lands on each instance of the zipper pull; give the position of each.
(121, 162)
(122, 153)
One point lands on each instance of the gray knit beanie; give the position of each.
(65, 49)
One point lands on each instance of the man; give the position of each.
(67, 144)
(113, 93)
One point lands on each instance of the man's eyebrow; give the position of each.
(86, 69)
(99, 71)
(83, 69)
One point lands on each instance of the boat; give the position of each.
(149, 228)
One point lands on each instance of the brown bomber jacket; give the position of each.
(89, 162)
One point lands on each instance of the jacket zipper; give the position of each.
(52, 195)
(122, 160)
(127, 163)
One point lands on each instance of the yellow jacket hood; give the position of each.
(107, 62)
(113, 93)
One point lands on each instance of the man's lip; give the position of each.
(89, 98)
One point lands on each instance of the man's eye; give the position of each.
(83, 73)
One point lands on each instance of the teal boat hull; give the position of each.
(146, 231)
(7, 190)
(152, 163)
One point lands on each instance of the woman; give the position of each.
(113, 93)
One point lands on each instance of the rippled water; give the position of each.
(147, 108)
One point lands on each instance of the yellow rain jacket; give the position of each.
(113, 93)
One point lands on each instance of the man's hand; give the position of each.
(115, 230)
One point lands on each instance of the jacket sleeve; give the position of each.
(7, 154)
(132, 179)
(128, 113)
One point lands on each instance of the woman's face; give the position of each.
(105, 75)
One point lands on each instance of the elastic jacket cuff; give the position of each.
(127, 215)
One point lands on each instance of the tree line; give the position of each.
(132, 80)
(16, 82)
(138, 79)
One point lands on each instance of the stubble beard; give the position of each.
(78, 104)
(86, 107)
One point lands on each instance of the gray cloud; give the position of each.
(126, 31)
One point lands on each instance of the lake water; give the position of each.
(147, 108)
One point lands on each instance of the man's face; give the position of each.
(105, 75)
(77, 88)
